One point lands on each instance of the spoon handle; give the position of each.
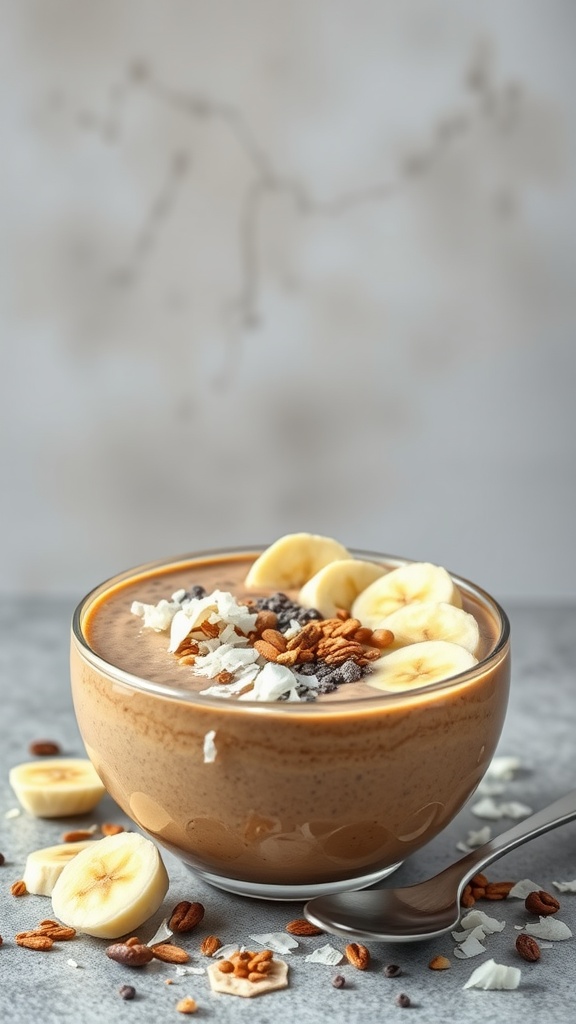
(555, 814)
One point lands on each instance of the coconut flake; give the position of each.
(523, 888)
(488, 808)
(162, 935)
(209, 747)
(73, 963)
(503, 767)
(156, 616)
(549, 928)
(475, 837)
(491, 975)
(279, 942)
(226, 951)
(14, 812)
(273, 682)
(470, 947)
(565, 886)
(180, 970)
(477, 918)
(327, 955)
(487, 788)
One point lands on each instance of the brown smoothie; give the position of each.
(277, 794)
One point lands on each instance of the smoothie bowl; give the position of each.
(294, 720)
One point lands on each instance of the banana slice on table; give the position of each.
(57, 787)
(112, 887)
(44, 867)
(419, 665)
(416, 581)
(425, 620)
(338, 584)
(293, 559)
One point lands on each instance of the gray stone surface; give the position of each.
(42, 987)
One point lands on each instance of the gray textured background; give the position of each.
(272, 266)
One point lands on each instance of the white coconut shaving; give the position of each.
(549, 928)
(475, 838)
(156, 616)
(210, 747)
(73, 963)
(565, 886)
(14, 812)
(523, 888)
(470, 947)
(503, 768)
(273, 682)
(491, 975)
(327, 955)
(162, 935)
(279, 942)
(180, 970)
(488, 808)
(228, 950)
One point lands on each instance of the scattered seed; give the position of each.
(392, 971)
(439, 963)
(403, 1000)
(339, 981)
(109, 829)
(127, 991)
(187, 1005)
(44, 748)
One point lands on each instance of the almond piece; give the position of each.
(170, 954)
(210, 945)
(439, 963)
(300, 926)
(357, 955)
(528, 948)
(186, 916)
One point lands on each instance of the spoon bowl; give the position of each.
(430, 908)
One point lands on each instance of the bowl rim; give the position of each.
(334, 707)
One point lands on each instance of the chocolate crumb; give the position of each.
(392, 971)
(127, 991)
(403, 1000)
(339, 981)
(44, 748)
(286, 610)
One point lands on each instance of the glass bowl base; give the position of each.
(264, 891)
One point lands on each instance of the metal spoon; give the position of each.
(429, 908)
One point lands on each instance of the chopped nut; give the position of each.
(18, 888)
(78, 835)
(186, 916)
(170, 954)
(527, 947)
(226, 966)
(187, 1005)
(265, 620)
(381, 638)
(276, 638)
(109, 829)
(542, 903)
(439, 963)
(498, 890)
(467, 899)
(300, 926)
(44, 748)
(41, 942)
(130, 955)
(267, 650)
(210, 944)
(480, 880)
(357, 955)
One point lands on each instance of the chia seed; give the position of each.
(286, 610)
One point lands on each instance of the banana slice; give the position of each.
(419, 665)
(424, 620)
(57, 787)
(111, 888)
(338, 584)
(44, 867)
(416, 581)
(293, 559)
